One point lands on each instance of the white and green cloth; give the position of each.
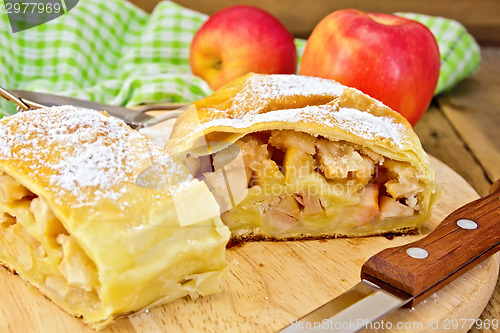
(113, 52)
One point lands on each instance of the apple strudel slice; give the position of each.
(95, 216)
(319, 160)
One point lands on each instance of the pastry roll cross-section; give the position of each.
(91, 214)
(320, 159)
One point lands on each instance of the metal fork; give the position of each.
(23, 104)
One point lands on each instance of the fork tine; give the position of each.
(20, 104)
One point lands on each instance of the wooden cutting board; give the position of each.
(271, 284)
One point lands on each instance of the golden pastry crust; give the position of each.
(332, 117)
(258, 102)
(90, 214)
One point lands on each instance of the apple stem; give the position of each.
(218, 64)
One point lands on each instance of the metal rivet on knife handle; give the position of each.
(467, 224)
(453, 248)
(417, 253)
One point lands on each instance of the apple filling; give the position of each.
(32, 236)
(301, 185)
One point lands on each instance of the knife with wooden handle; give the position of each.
(408, 274)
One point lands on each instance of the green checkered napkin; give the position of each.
(107, 51)
(112, 52)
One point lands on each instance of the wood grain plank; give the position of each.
(473, 108)
(476, 138)
(480, 17)
(440, 139)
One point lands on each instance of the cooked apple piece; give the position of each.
(369, 208)
(341, 161)
(287, 139)
(254, 152)
(288, 205)
(297, 164)
(46, 221)
(404, 184)
(279, 223)
(389, 207)
(76, 267)
(7, 220)
(282, 214)
(10, 190)
(310, 203)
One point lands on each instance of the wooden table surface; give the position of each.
(462, 129)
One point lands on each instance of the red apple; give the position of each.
(238, 40)
(391, 58)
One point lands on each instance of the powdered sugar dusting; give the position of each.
(363, 124)
(369, 126)
(260, 90)
(278, 86)
(84, 153)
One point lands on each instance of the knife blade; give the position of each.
(408, 274)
